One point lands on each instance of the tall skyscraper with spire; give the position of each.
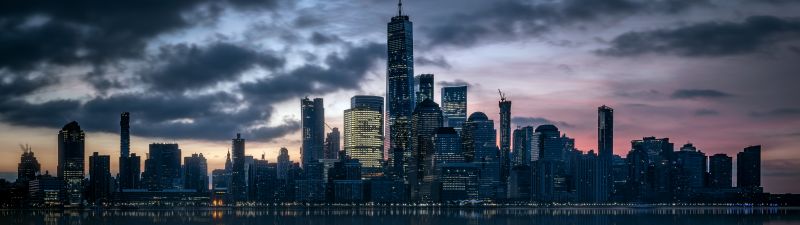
(605, 152)
(399, 83)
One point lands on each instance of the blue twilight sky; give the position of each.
(722, 74)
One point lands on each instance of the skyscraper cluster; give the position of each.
(405, 147)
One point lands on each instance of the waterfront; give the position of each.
(392, 216)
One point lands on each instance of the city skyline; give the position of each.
(694, 113)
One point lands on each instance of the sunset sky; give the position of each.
(722, 74)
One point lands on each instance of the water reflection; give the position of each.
(392, 216)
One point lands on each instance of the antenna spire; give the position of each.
(399, 7)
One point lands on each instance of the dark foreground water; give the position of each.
(382, 216)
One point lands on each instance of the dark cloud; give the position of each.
(708, 39)
(95, 31)
(322, 39)
(343, 72)
(698, 93)
(207, 117)
(17, 85)
(439, 61)
(537, 121)
(185, 67)
(518, 18)
(706, 112)
(454, 83)
(305, 20)
(779, 112)
(162, 113)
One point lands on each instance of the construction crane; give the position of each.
(502, 96)
(25, 148)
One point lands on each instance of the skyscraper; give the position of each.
(605, 152)
(748, 169)
(651, 164)
(238, 188)
(195, 172)
(505, 137)
(720, 171)
(124, 134)
(480, 148)
(162, 168)
(313, 121)
(129, 164)
(70, 161)
(363, 133)
(424, 86)
(691, 164)
(522, 146)
(399, 83)
(454, 106)
(28, 167)
(426, 119)
(333, 144)
(283, 163)
(374, 103)
(99, 178)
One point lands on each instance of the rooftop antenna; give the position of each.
(399, 7)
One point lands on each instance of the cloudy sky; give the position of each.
(722, 74)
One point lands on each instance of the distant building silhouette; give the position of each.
(720, 171)
(238, 188)
(100, 182)
(748, 169)
(71, 162)
(283, 163)
(28, 167)
(605, 153)
(195, 173)
(162, 168)
(333, 144)
(129, 164)
(651, 170)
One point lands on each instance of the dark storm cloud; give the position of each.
(343, 72)
(698, 93)
(321, 39)
(439, 61)
(94, 31)
(779, 112)
(209, 116)
(708, 39)
(186, 67)
(537, 121)
(519, 18)
(18, 85)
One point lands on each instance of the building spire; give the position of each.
(399, 7)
